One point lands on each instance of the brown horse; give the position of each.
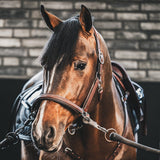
(71, 63)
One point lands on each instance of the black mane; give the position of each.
(62, 43)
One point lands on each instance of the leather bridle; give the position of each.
(96, 85)
(83, 111)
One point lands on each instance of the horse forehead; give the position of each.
(86, 44)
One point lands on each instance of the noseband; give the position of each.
(96, 85)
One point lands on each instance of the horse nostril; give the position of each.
(50, 134)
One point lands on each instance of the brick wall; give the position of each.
(131, 29)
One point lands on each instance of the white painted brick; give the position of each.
(132, 16)
(123, 6)
(32, 71)
(154, 16)
(10, 61)
(34, 42)
(130, 54)
(131, 35)
(41, 33)
(137, 74)
(108, 25)
(6, 42)
(103, 15)
(10, 4)
(128, 64)
(122, 45)
(154, 74)
(56, 5)
(5, 32)
(150, 45)
(67, 14)
(21, 33)
(108, 34)
(91, 5)
(151, 7)
(36, 14)
(133, 25)
(35, 52)
(155, 36)
(30, 4)
(150, 26)
(30, 62)
(24, 23)
(42, 24)
(1, 22)
(12, 71)
(154, 64)
(14, 13)
(154, 55)
(16, 52)
(35, 23)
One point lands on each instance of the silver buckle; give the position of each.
(101, 57)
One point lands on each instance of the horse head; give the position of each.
(69, 68)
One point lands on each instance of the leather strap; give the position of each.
(97, 82)
(119, 145)
(90, 95)
(119, 80)
(71, 153)
(60, 100)
(115, 151)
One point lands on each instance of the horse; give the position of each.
(77, 69)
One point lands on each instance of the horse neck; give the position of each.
(109, 113)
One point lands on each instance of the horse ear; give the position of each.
(51, 20)
(85, 19)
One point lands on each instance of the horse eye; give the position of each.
(79, 65)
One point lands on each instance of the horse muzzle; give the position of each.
(46, 139)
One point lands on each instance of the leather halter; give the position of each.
(96, 85)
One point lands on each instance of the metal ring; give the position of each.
(67, 149)
(71, 131)
(101, 57)
(107, 134)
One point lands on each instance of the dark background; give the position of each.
(10, 88)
